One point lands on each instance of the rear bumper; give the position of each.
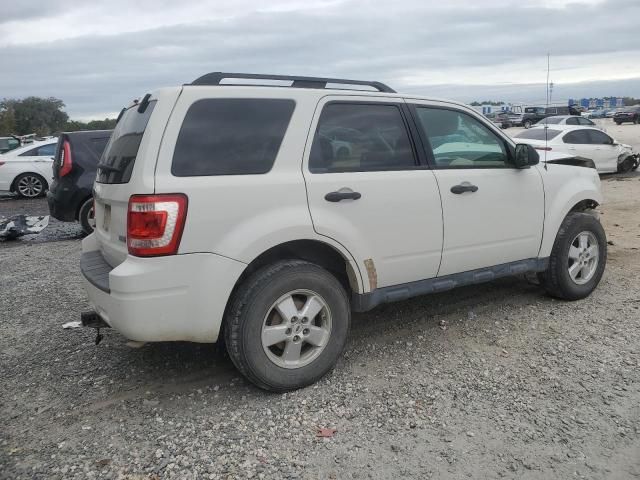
(172, 298)
(64, 201)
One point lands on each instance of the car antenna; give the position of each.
(546, 125)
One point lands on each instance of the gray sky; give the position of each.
(98, 56)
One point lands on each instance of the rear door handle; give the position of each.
(342, 194)
(464, 187)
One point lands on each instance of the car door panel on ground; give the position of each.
(383, 206)
(493, 212)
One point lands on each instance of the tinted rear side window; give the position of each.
(231, 136)
(539, 134)
(120, 153)
(354, 137)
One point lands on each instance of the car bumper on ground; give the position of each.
(172, 298)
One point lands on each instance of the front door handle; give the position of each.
(465, 187)
(342, 194)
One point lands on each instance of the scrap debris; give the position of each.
(19, 225)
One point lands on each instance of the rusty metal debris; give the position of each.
(19, 225)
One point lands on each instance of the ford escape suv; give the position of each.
(265, 209)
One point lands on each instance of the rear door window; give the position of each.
(361, 137)
(120, 153)
(231, 136)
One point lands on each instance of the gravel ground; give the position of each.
(490, 381)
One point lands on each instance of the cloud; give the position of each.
(120, 52)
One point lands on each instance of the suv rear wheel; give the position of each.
(577, 259)
(287, 325)
(527, 124)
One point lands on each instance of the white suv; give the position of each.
(265, 214)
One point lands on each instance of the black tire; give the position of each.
(85, 216)
(527, 124)
(30, 185)
(618, 123)
(252, 302)
(556, 279)
(635, 121)
(626, 165)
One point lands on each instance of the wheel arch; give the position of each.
(314, 251)
(12, 188)
(586, 202)
(80, 204)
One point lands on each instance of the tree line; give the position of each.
(42, 116)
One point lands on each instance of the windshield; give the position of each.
(538, 134)
(120, 153)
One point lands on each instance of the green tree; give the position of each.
(7, 121)
(42, 116)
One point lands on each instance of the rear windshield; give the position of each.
(538, 134)
(120, 153)
(231, 136)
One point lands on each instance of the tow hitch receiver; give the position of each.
(93, 320)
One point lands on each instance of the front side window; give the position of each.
(460, 141)
(576, 137)
(353, 137)
(599, 138)
(231, 136)
(584, 121)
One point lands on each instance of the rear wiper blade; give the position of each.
(104, 166)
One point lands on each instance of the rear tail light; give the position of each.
(155, 224)
(65, 159)
(546, 149)
(2, 163)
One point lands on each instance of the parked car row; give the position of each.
(63, 168)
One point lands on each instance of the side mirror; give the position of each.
(525, 156)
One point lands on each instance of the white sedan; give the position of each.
(27, 170)
(571, 120)
(607, 154)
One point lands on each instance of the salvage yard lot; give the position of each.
(490, 381)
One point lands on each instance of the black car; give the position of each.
(533, 115)
(629, 114)
(77, 155)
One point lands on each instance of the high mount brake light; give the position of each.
(155, 224)
(65, 161)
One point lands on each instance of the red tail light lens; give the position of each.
(155, 224)
(65, 159)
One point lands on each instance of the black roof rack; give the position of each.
(214, 78)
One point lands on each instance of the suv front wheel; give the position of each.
(577, 259)
(287, 325)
